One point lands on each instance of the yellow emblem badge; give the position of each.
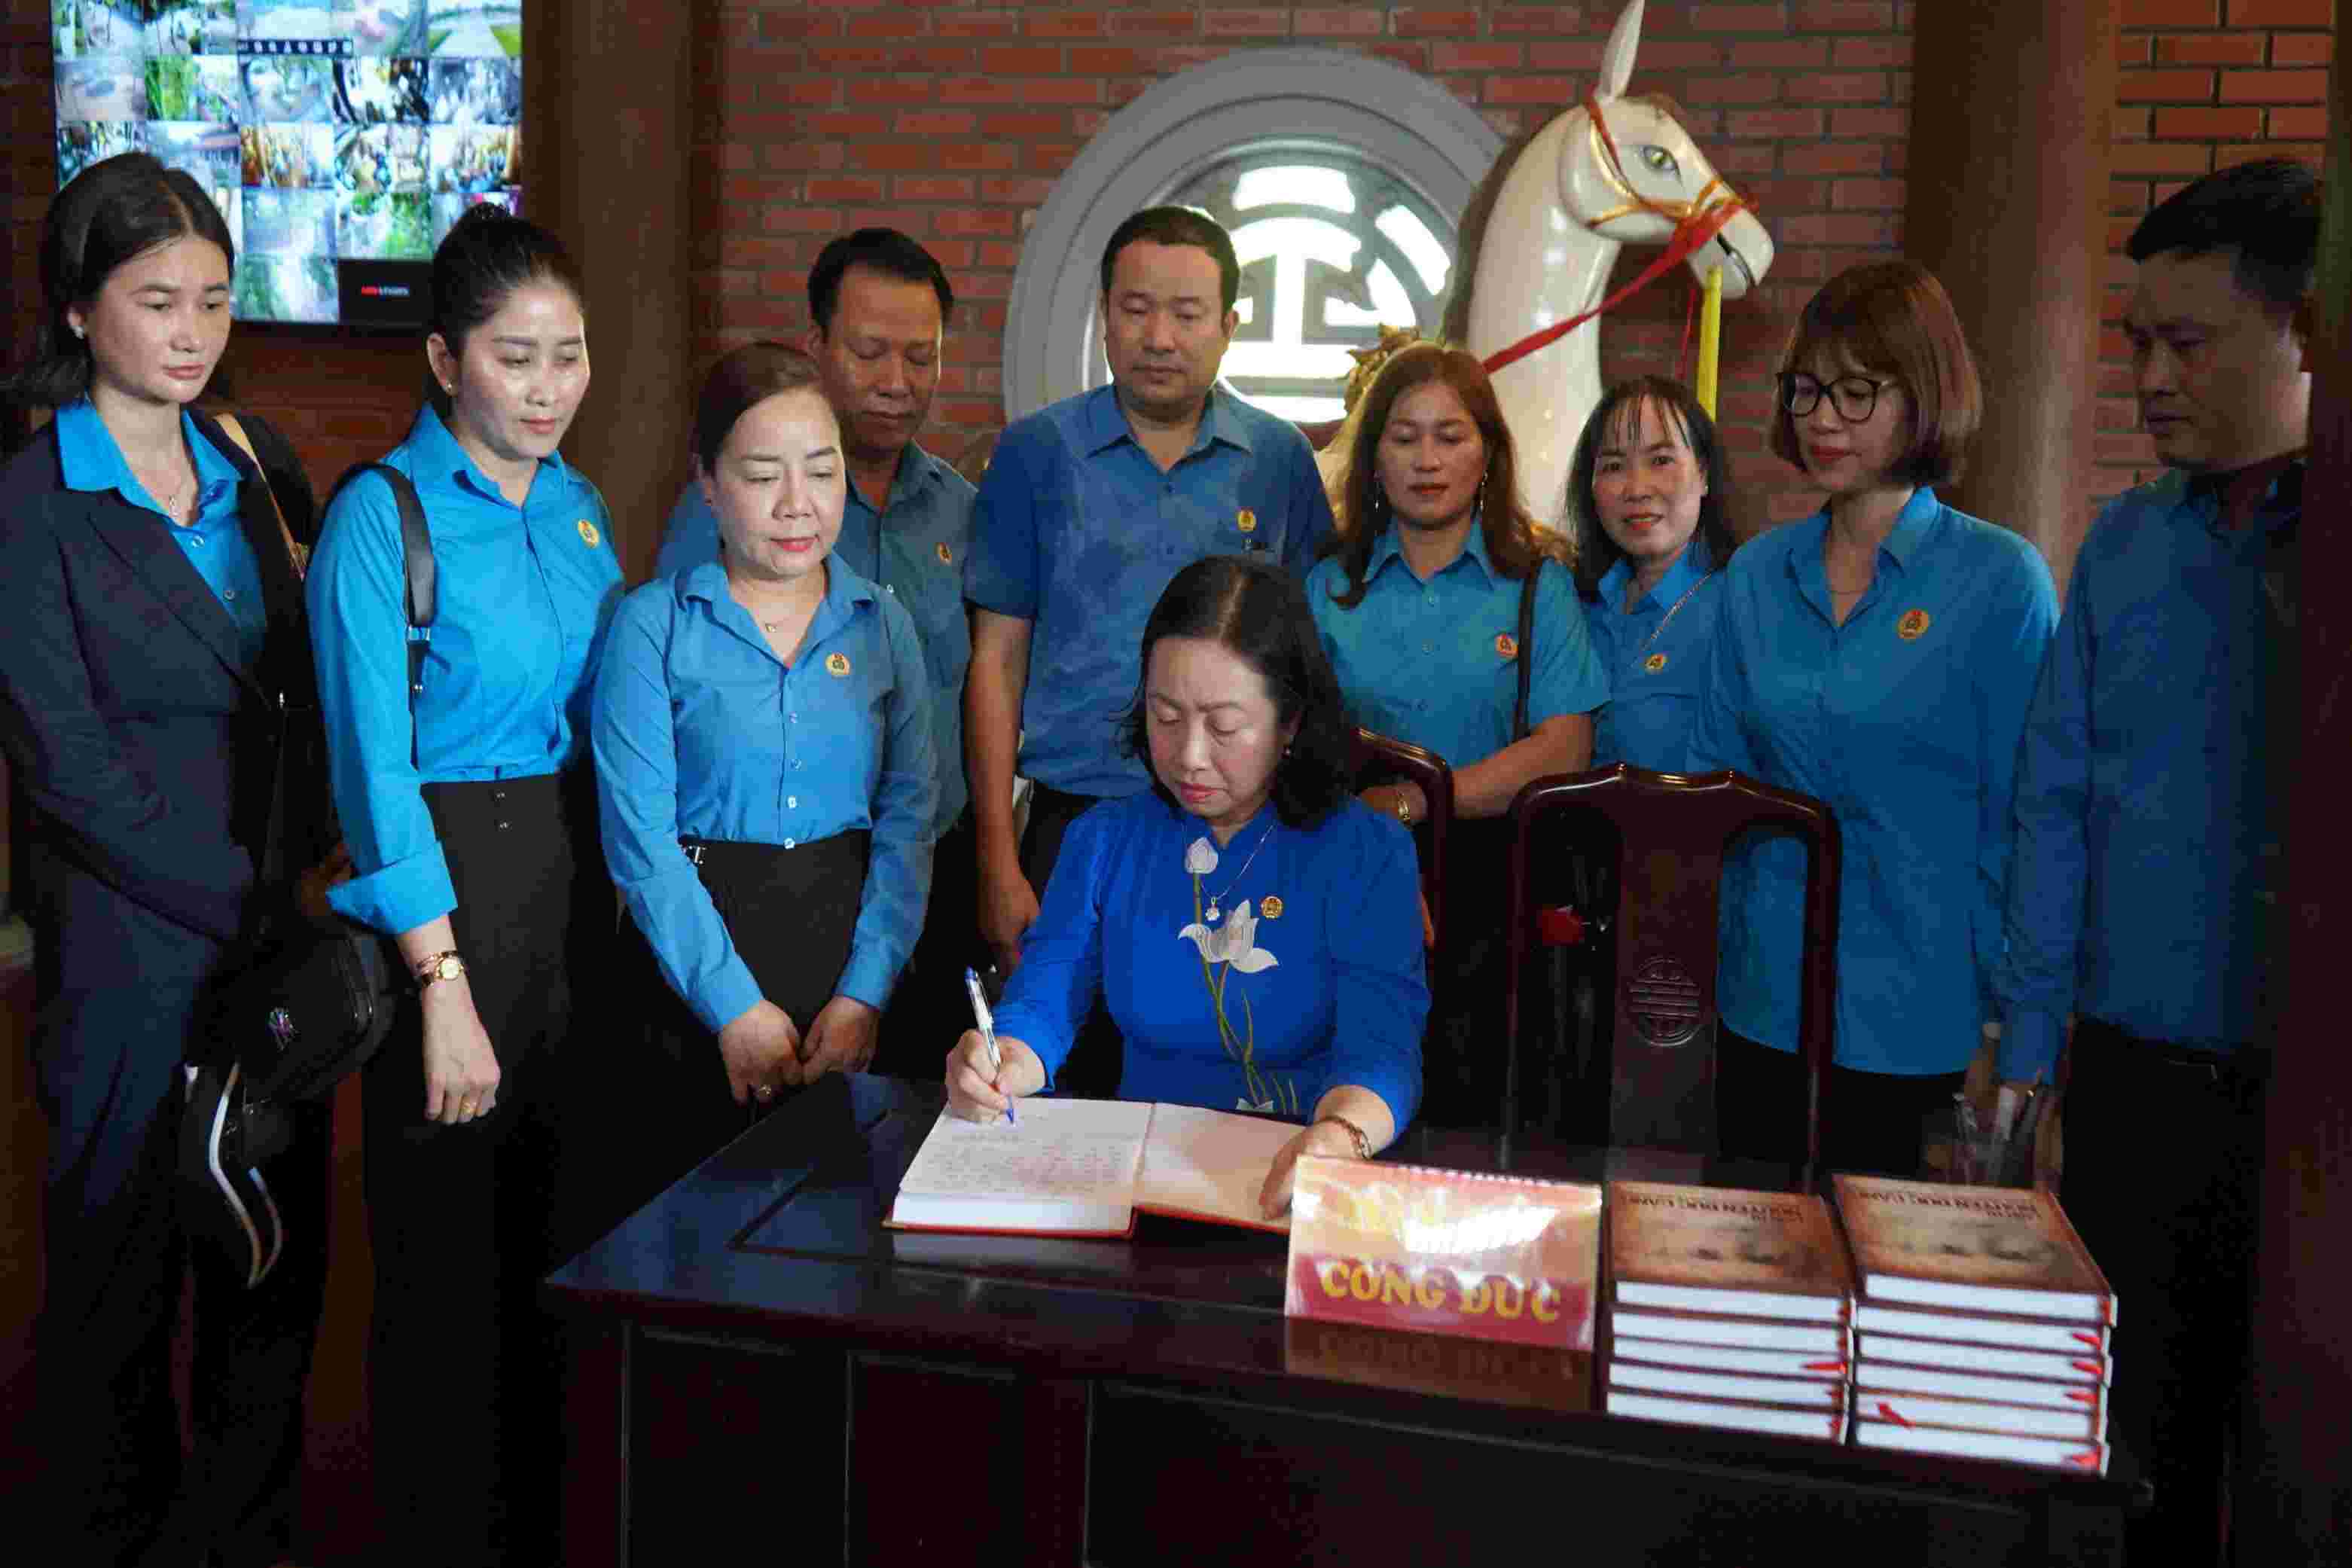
(1912, 625)
(1655, 663)
(1246, 520)
(1271, 907)
(1506, 645)
(837, 664)
(588, 535)
(946, 555)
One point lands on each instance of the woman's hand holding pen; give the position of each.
(977, 1095)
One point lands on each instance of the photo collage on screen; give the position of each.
(325, 130)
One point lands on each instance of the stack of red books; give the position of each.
(1728, 1308)
(1982, 1324)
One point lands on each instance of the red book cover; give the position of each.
(1508, 1259)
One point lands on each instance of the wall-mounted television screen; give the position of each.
(340, 138)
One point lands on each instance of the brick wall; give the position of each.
(2203, 84)
(951, 119)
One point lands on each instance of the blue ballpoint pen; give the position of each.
(986, 1022)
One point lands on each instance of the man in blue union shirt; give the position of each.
(1089, 508)
(878, 305)
(2143, 897)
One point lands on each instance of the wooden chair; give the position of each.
(1674, 829)
(1382, 759)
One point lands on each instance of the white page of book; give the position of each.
(1212, 1163)
(1067, 1165)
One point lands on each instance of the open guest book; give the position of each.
(1085, 1167)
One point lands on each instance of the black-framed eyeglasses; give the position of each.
(1855, 397)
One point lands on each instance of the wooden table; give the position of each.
(753, 1357)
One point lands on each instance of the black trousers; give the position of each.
(1096, 1060)
(792, 916)
(116, 983)
(464, 1368)
(930, 1011)
(2164, 1157)
(1873, 1123)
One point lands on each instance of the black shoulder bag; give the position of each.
(306, 1005)
(1521, 728)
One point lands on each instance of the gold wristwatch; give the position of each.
(439, 966)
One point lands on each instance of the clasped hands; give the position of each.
(763, 1052)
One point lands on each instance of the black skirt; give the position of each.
(792, 916)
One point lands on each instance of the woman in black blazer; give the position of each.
(154, 618)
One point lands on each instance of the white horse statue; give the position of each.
(1564, 209)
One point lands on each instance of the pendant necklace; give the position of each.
(1210, 915)
(1669, 615)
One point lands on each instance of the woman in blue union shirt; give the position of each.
(474, 846)
(1418, 608)
(1877, 655)
(1254, 933)
(1647, 496)
(766, 710)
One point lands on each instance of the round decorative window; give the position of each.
(1341, 177)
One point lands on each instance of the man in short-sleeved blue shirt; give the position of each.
(878, 305)
(1088, 509)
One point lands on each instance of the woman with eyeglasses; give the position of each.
(1877, 655)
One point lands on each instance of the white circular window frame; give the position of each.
(1309, 99)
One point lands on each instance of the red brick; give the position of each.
(1167, 60)
(1061, 24)
(844, 188)
(1835, 158)
(2303, 124)
(2302, 48)
(1739, 18)
(934, 57)
(935, 122)
(2210, 49)
(846, 122)
(1567, 57)
(932, 188)
(1421, 23)
(2130, 124)
(1797, 123)
(1018, 90)
(1531, 90)
(2119, 231)
(1105, 59)
(1837, 86)
(1252, 23)
(1474, 56)
(1782, 53)
(2172, 12)
(2207, 124)
(2164, 87)
(887, 25)
(1021, 59)
(1020, 192)
(979, 25)
(2134, 49)
(1871, 54)
(1749, 86)
(890, 89)
(1844, 16)
(2282, 13)
(2305, 151)
(981, 157)
(1412, 56)
(849, 56)
(1869, 122)
(1169, 24)
(1050, 157)
(2274, 87)
(1535, 19)
(2159, 158)
(973, 221)
(2127, 196)
(1339, 23)
(1866, 195)
(1025, 122)
(1837, 228)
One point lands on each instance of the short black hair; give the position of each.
(1596, 553)
(1258, 613)
(487, 254)
(2267, 213)
(1178, 225)
(117, 209)
(884, 250)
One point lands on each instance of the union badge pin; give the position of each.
(1655, 663)
(837, 664)
(1506, 645)
(945, 554)
(1912, 625)
(1246, 520)
(1270, 906)
(589, 536)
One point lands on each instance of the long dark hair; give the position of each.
(1596, 553)
(117, 209)
(1514, 544)
(1258, 614)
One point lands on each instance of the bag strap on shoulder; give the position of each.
(417, 566)
(1520, 728)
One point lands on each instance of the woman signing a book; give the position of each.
(1253, 928)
